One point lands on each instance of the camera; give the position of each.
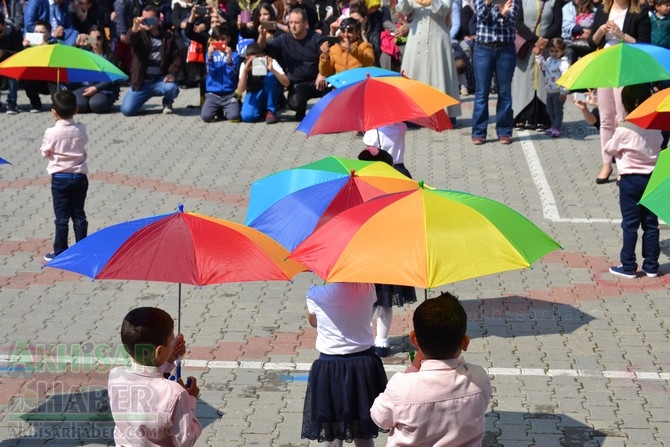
(583, 97)
(221, 46)
(332, 40)
(150, 21)
(269, 25)
(92, 40)
(259, 66)
(201, 10)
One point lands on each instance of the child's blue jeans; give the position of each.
(68, 191)
(631, 188)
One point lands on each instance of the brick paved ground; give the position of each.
(577, 357)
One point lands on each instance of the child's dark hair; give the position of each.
(221, 32)
(350, 22)
(255, 49)
(557, 42)
(439, 325)
(143, 330)
(380, 156)
(661, 2)
(634, 95)
(65, 104)
(45, 24)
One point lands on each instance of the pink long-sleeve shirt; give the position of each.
(150, 411)
(441, 405)
(64, 145)
(635, 148)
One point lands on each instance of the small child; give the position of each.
(584, 19)
(553, 68)
(636, 150)
(223, 68)
(64, 145)
(263, 90)
(149, 409)
(440, 399)
(660, 23)
(345, 379)
(391, 139)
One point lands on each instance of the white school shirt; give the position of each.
(343, 313)
(389, 138)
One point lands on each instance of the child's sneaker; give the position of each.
(555, 133)
(12, 110)
(49, 256)
(548, 131)
(619, 271)
(649, 273)
(270, 118)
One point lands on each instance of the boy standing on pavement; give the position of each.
(64, 145)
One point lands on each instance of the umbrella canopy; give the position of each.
(654, 113)
(423, 238)
(534, 114)
(376, 102)
(59, 63)
(617, 66)
(4, 162)
(353, 75)
(656, 195)
(290, 204)
(178, 247)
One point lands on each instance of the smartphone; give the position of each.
(269, 25)
(150, 21)
(259, 66)
(583, 97)
(332, 40)
(201, 10)
(92, 40)
(221, 46)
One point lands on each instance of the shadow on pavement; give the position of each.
(72, 418)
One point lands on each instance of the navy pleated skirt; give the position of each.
(390, 295)
(340, 392)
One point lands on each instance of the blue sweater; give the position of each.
(222, 77)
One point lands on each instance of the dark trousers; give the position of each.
(301, 92)
(68, 192)
(36, 88)
(631, 188)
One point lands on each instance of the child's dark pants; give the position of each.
(68, 191)
(631, 188)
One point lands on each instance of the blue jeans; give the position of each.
(68, 192)
(631, 188)
(486, 60)
(257, 103)
(12, 91)
(135, 99)
(555, 110)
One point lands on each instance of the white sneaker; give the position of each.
(167, 110)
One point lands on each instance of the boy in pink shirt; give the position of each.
(64, 145)
(636, 150)
(440, 400)
(148, 409)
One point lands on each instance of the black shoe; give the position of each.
(299, 116)
(382, 351)
(49, 256)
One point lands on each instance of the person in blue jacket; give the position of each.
(223, 70)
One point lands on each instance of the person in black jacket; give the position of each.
(10, 44)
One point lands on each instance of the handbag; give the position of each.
(195, 53)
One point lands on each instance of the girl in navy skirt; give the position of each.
(347, 377)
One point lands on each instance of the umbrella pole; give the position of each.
(178, 362)
(425, 294)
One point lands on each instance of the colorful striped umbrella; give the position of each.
(655, 196)
(376, 102)
(617, 66)
(59, 63)
(654, 113)
(423, 238)
(290, 204)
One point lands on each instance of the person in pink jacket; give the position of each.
(148, 409)
(636, 150)
(440, 400)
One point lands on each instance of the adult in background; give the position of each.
(54, 12)
(350, 52)
(299, 50)
(10, 44)
(494, 52)
(428, 55)
(156, 63)
(615, 21)
(537, 22)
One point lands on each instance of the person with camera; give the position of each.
(299, 50)
(264, 80)
(350, 52)
(155, 64)
(223, 68)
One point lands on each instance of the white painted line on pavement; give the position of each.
(549, 207)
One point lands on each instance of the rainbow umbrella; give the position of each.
(655, 196)
(353, 75)
(654, 112)
(422, 238)
(617, 66)
(60, 63)
(376, 102)
(179, 247)
(289, 205)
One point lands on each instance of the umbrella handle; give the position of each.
(177, 371)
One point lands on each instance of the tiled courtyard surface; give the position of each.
(577, 357)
